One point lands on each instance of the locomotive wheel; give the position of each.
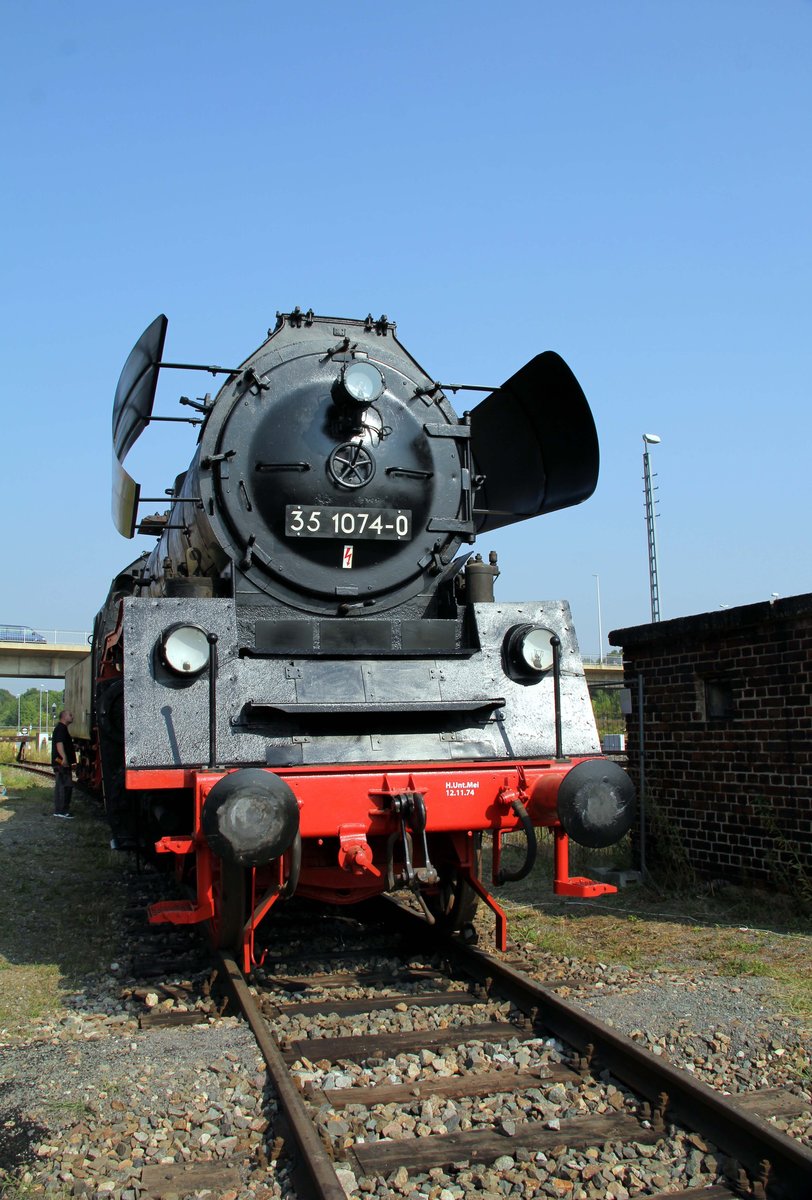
(454, 905)
(229, 892)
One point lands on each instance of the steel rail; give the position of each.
(779, 1166)
(313, 1154)
(33, 769)
(782, 1165)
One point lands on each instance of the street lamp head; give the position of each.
(653, 439)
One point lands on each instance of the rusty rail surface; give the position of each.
(313, 1156)
(778, 1166)
(33, 768)
(772, 1165)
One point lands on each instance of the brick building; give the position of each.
(727, 740)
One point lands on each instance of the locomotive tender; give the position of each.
(305, 687)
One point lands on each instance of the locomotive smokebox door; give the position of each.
(335, 475)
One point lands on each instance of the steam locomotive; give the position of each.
(308, 686)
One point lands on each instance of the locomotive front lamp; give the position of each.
(529, 650)
(185, 650)
(363, 382)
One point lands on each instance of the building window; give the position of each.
(718, 699)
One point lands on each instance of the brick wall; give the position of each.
(727, 736)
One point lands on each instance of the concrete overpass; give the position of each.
(39, 660)
(598, 674)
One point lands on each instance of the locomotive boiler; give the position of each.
(307, 686)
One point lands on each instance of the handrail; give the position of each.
(25, 635)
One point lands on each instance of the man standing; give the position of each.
(63, 758)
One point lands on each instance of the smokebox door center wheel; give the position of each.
(229, 894)
(350, 465)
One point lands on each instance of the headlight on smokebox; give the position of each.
(185, 650)
(529, 651)
(362, 382)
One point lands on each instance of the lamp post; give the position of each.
(597, 579)
(19, 723)
(651, 439)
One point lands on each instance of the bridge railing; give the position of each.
(40, 637)
(66, 637)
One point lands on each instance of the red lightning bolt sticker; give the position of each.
(346, 560)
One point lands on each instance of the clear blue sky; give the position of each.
(626, 183)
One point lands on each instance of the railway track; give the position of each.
(444, 1066)
(355, 1037)
(407, 1066)
(34, 769)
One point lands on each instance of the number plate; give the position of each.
(372, 524)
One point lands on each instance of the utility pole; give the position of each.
(651, 439)
(600, 621)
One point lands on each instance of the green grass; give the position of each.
(735, 967)
(732, 932)
(56, 915)
(8, 755)
(76, 1109)
(18, 1189)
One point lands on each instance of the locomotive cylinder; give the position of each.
(250, 817)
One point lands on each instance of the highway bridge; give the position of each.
(50, 659)
(41, 660)
(604, 673)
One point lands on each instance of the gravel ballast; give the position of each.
(89, 1100)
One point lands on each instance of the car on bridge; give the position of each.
(20, 633)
